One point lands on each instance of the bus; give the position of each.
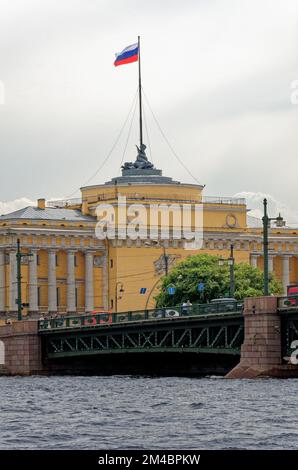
(292, 291)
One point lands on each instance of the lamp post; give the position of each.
(116, 294)
(166, 260)
(266, 225)
(231, 263)
(166, 267)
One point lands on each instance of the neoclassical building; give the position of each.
(71, 270)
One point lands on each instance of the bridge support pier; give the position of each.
(261, 350)
(21, 348)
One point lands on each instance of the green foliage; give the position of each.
(204, 268)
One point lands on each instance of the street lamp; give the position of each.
(266, 225)
(166, 267)
(166, 260)
(121, 290)
(231, 262)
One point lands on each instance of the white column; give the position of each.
(33, 298)
(2, 281)
(12, 281)
(71, 287)
(270, 263)
(285, 272)
(89, 290)
(254, 260)
(52, 282)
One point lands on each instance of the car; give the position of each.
(223, 299)
(165, 313)
(223, 304)
(99, 316)
(171, 313)
(292, 291)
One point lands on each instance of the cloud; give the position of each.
(217, 74)
(275, 207)
(10, 206)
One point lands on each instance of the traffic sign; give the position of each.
(171, 290)
(201, 286)
(143, 290)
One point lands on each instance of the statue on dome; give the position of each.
(141, 163)
(142, 160)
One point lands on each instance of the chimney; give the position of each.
(41, 203)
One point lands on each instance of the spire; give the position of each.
(141, 162)
(140, 94)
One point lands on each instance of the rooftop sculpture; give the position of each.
(141, 163)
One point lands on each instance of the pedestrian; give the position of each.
(184, 308)
(189, 307)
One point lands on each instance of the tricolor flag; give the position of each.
(128, 55)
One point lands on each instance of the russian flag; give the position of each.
(128, 55)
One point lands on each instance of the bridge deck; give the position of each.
(217, 332)
(155, 315)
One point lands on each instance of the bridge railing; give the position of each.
(287, 303)
(106, 318)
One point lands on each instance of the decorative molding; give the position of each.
(97, 261)
(231, 221)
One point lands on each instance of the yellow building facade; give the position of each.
(72, 270)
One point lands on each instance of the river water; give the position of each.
(124, 412)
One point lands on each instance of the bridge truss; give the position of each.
(222, 334)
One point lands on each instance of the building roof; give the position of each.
(49, 213)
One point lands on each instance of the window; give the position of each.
(112, 303)
(38, 296)
(75, 260)
(56, 258)
(37, 260)
(76, 294)
(111, 263)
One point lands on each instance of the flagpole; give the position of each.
(140, 94)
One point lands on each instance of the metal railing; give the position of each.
(62, 203)
(224, 200)
(176, 198)
(287, 303)
(173, 197)
(106, 318)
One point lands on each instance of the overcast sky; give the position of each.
(217, 74)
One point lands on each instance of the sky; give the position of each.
(217, 75)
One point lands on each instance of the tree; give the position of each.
(186, 276)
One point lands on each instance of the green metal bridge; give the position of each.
(209, 336)
(216, 328)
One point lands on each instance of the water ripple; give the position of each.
(142, 412)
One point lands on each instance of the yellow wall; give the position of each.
(133, 267)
